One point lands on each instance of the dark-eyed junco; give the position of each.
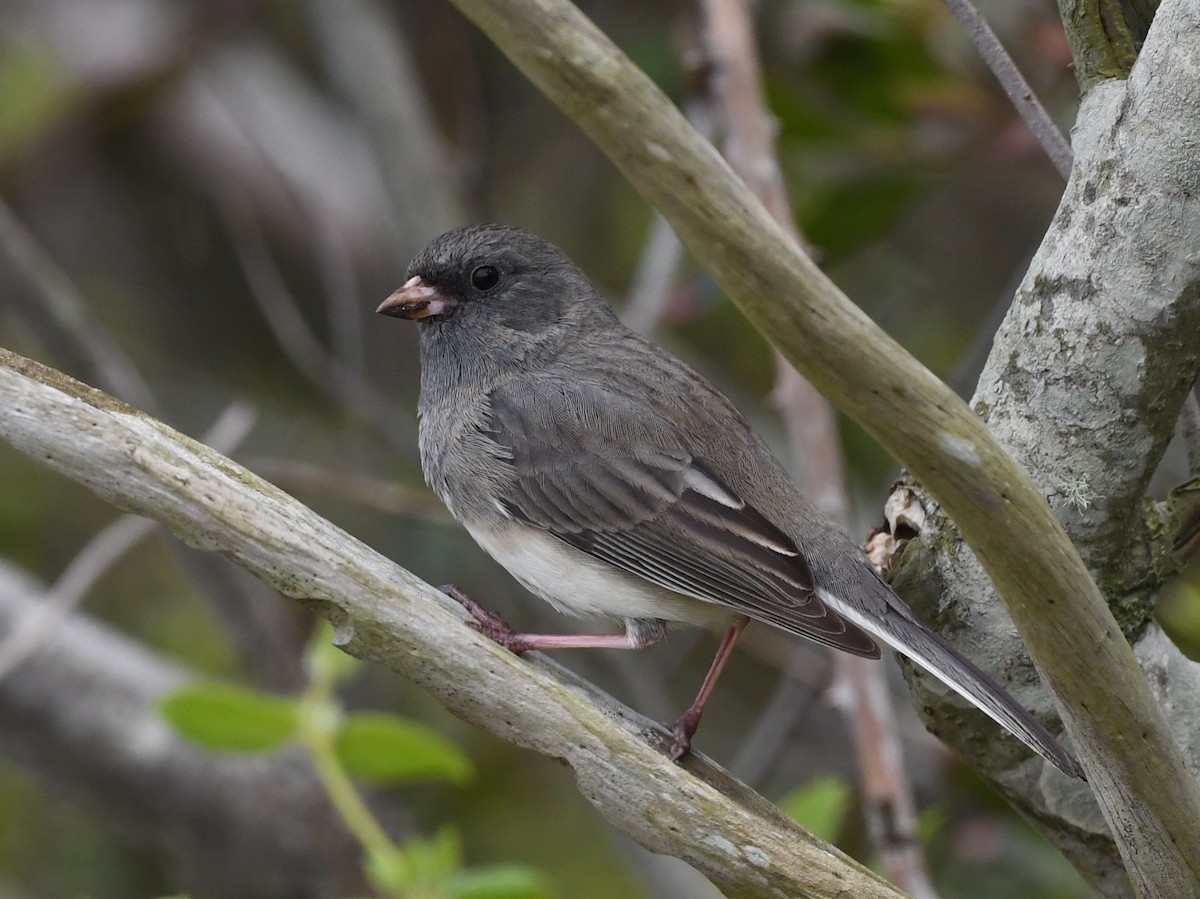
(612, 480)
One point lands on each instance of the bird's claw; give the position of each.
(683, 730)
(488, 623)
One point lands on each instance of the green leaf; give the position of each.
(420, 867)
(230, 719)
(509, 881)
(383, 748)
(391, 873)
(821, 806)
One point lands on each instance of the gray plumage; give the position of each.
(612, 479)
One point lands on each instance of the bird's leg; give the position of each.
(685, 728)
(497, 629)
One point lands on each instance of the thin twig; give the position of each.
(887, 801)
(1020, 94)
(750, 148)
(651, 289)
(76, 581)
(664, 251)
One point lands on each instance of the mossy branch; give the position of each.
(1102, 40)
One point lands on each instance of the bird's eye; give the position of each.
(485, 277)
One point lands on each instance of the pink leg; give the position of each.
(685, 727)
(496, 628)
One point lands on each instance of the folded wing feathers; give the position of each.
(643, 504)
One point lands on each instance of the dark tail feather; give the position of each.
(913, 640)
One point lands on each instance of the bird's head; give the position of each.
(492, 278)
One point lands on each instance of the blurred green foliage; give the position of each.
(1179, 613)
(377, 747)
(821, 806)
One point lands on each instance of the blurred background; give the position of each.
(203, 204)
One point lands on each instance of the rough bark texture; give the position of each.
(1084, 385)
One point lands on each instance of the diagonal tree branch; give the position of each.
(383, 613)
(1084, 382)
(1149, 798)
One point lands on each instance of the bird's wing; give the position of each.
(603, 474)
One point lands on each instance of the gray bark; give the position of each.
(1083, 386)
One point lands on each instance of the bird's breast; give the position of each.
(578, 584)
(463, 465)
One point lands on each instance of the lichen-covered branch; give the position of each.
(383, 613)
(1084, 385)
(1103, 41)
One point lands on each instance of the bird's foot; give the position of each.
(683, 730)
(488, 623)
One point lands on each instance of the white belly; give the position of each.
(577, 584)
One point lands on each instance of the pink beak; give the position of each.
(417, 299)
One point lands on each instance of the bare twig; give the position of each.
(659, 265)
(76, 581)
(750, 148)
(1020, 94)
(887, 800)
(655, 275)
(888, 804)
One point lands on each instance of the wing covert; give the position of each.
(628, 489)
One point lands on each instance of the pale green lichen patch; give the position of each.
(961, 449)
(756, 857)
(721, 844)
(43, 374)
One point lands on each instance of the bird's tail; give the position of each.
(915, 641)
